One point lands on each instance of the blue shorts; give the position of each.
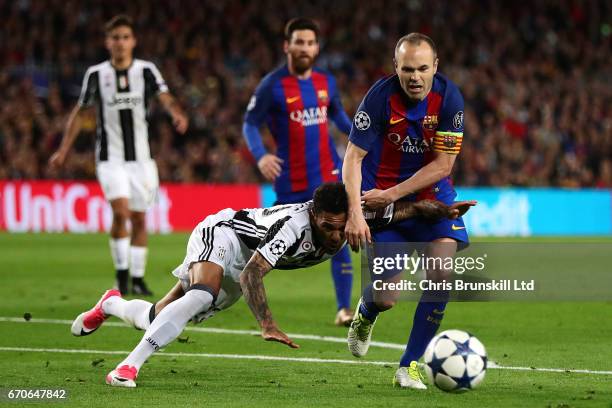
(412, 234)
(417, 230)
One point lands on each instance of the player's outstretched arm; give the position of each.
(73, 127)
(179, 119)
(254, 292)
(430, 210)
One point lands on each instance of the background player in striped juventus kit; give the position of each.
(295, 100)
(120, 89)
(228, 254)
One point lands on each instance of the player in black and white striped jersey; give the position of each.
(120, 90)
(229, 253)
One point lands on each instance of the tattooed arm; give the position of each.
(429, 210)
(251, 282)
(254, 292)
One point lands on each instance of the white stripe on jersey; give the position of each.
(281, 234)
(122, 98)
(249, 228)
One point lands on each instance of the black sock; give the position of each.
(122, 280)
(152, 313)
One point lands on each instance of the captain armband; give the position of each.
(447, 142)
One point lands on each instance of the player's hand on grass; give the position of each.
(274, 334)
(357, 230)
(57, 159)
(270, 166)
(375, 199)
(459, 208)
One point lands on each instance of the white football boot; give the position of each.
(360, 333)
(409, 377)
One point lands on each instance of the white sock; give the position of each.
(133, 312)
(138, 261)
(120, 248)
(168, 325)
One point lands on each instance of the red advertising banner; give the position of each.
(79, 206)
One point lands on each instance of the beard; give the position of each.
(302, 63)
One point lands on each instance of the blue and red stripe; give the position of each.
(312, 134)
(326, 162)
(296, 135)
(434, 103)
(389, 163)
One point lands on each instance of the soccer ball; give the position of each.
(455, 361)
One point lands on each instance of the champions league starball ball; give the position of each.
(455, 361)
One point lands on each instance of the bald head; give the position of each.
(416, 39)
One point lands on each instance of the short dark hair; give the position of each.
(301, 23)
(330, 197)
(416, 39)
(120, 20)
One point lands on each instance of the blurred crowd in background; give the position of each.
(537, 80)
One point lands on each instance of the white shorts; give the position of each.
(213, 242)
(137, 181)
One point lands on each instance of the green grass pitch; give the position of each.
(57, 276)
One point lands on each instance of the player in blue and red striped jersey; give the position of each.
(406, 135)
(295, 101)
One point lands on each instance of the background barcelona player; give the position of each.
(403, 144)
(295, 101)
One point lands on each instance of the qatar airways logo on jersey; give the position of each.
(124, 100)
(409, 144)
(310, 117)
